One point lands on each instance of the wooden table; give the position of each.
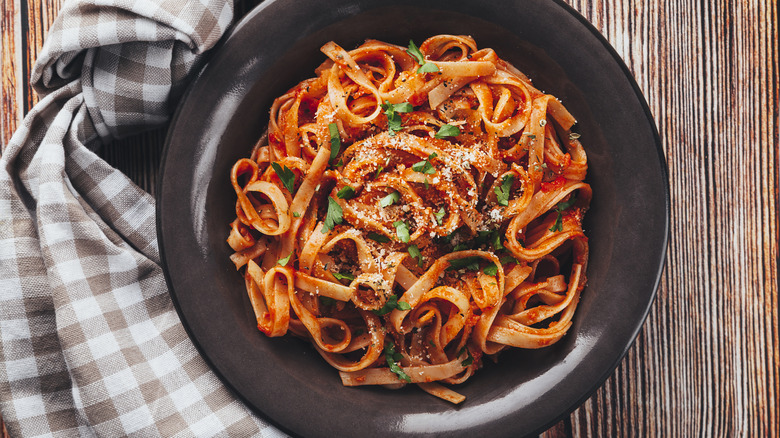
(707, 360)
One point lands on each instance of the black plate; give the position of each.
(285, 380)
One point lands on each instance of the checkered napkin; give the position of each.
(90, 343)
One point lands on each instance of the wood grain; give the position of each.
(11, 85)
(707, 361)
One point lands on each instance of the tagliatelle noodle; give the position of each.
(411, 212)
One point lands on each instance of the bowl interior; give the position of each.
(284, 379)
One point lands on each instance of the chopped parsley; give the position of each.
(333, 217)
(327, 301)
(425, 67)
(296, 214)
(440, 216)
(469, 360)
(482, 238)
(392, 304)
(346, 192)
(392, 358)
(490, 270)
(508, 259)
(335, 141)
(390, 199)
(401, 230)
(376, 237)
(497, 240)
(447, 131)
(392, 111)
(471, 263)
(558, 225)
(425, 166)
(343, 276)
(502, 191)
(415, 253)
(285, 175)
(284, 261)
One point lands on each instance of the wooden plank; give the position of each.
(706, 362)
(11, 78)
(40, 16)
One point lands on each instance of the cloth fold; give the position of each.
(90, 343)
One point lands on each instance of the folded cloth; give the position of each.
(90, 343)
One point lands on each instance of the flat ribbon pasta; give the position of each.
(411, 210)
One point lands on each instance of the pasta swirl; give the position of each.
(412, 210)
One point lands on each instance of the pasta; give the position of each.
(411, 211)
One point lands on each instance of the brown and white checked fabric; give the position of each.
(90, 344)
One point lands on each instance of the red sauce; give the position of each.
(554, 184)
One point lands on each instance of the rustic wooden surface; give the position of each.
(707, 360)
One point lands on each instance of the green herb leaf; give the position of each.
(425, 166)
(345, 276)
(392, 357)
(346, 192)
(335, 141)
(497, 240)
(440, 216)
(461, 246)
(502, 191)
(393, 118)
(378, 171)
(425, 67)
(391, 304)
(285, 175)
(390, 199)
(376, 237)
(415, 253)
(284, 261)
(508, 259)
(482, 239)
(490, 270)
(296, 214)
(327, 301)
(401, 230)
(564, 205)
(403, 107)
(428, 67)
(558, 225)
(469, 360)
(447, 131)
(333, 217)
(415, 52)
(471, 263)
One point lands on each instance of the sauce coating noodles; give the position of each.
(412, 210)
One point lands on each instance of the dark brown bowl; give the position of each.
(284, 380)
